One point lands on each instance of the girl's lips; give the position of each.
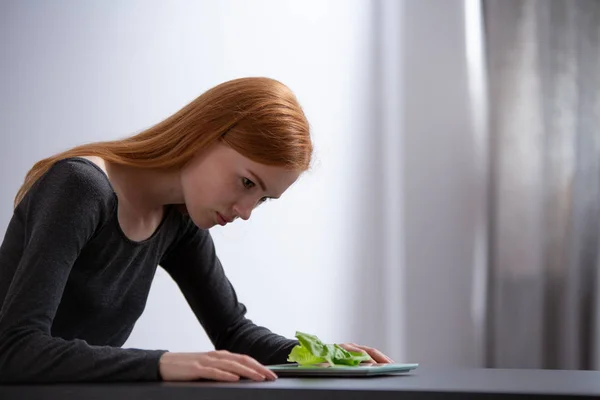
(221, 220)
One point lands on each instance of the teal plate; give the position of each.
(295, 370)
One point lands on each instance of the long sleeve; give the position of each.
(49, 229)
(194, 266)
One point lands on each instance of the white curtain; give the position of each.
(481, 222)
(544, 108)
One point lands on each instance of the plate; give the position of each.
(367, 369)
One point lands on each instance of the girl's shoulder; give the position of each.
(75, 177)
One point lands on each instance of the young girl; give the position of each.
(91, 224)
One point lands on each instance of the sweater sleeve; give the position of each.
(194, 266)
(47, 232)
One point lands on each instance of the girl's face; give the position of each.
(221, 185)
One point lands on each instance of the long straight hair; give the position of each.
(258, 117)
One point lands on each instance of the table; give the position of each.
(423, 383)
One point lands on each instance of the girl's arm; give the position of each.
(48, 230)
(194, 266)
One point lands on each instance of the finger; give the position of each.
(247, 361)
(350, 347)
(217, 374)
(255, 365)
(356, 348)
(375, 354)
(235, 367)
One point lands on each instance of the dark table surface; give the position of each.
(423, 383)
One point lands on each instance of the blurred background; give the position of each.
(451, 216)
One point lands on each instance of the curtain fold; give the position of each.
(544, 119)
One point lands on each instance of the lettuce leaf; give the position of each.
(312, 350)
(303, 356)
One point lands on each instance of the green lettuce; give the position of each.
(312, 350)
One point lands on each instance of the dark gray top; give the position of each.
(421, 384)
(72, 285)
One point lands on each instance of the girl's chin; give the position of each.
(202, 223)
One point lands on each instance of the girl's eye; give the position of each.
(248, 184)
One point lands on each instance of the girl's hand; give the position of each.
(215, 365)
(376, 355)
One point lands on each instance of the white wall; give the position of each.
(75, 71)
(80, 71)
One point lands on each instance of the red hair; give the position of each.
(258, 117)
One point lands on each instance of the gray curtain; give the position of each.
(544, 114)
